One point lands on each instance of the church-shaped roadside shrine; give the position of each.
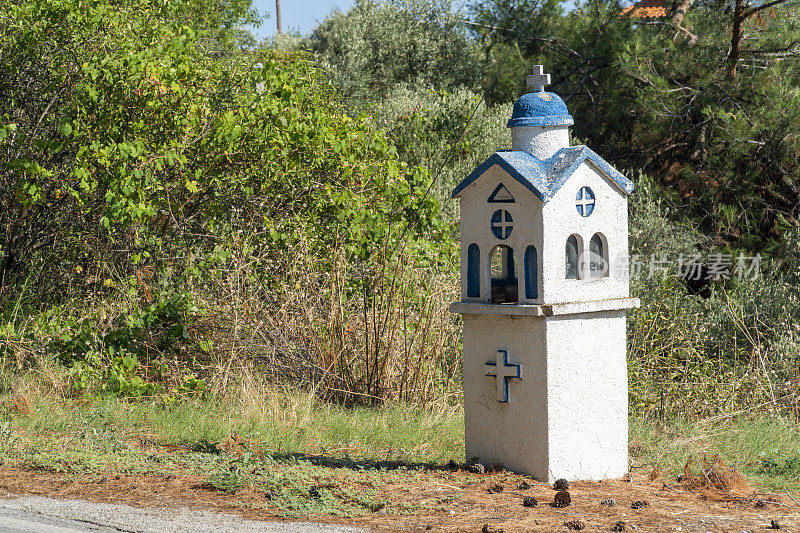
(543, 302)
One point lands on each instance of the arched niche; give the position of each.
(531, 273)
(598, 256)
(504, 281)
(573, 254)
(473, 271)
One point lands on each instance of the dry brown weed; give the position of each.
(714, 478)
(17, 405)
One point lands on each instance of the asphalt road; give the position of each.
(44, 515)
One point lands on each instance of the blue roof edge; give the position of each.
(549, 120)
(544, 195)
(496, 159)
(624, 183)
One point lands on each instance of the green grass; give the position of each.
(765, 449)
(308, 457)
(279, 422)
(314, 458)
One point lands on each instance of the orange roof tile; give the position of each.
(646, 9)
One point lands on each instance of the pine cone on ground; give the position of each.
(562, 499)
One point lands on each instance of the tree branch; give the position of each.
(755, 10)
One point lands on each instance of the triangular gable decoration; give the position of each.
(501, 195)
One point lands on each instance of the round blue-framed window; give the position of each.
(584, 201)
(502, 224)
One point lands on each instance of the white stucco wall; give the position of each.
(547, 226)
(540, 141)
(561, 219)
(587, 396)
(568, 414)
(475, 227)
(514, 433)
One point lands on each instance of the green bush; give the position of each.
(137, 167)
(426, 128)
(691, 356)
(377, 45)
(267, 142)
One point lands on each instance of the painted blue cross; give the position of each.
(584, 201)
(503, 371)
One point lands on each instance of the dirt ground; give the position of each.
(670, 506)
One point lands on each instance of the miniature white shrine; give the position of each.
(543, 304)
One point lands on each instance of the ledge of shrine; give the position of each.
(570, 308)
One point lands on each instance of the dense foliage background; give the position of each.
(182, 207)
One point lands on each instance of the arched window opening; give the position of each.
(473, 271)
(573, 253)
(504, 275)
(598, 257)
(531, 273)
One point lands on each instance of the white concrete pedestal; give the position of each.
(567, 413)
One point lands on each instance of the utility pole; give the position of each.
(278, 15)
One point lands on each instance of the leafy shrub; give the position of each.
(143, 178)
(692, 356)
(377, 45)
(227, 479)
(426, 125)
(268, 142)
(788, 467)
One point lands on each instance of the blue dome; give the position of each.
(540, 109)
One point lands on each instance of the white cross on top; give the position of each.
(503, 371)
(538, 79)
